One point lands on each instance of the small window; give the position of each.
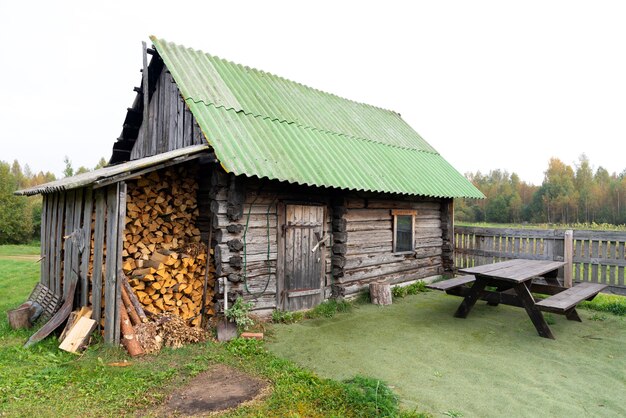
(403, 227)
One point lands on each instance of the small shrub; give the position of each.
(598, 317)
(415, 288)
(245, 347)
(328, 309)
(362, 298)
(239, 313)
(285, 317)
(614, 304)
(374, 397)
(398, 291)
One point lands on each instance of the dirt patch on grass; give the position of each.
(213, 391)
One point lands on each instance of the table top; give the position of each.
(516, 271)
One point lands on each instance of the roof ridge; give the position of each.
(313, 128)
(153, 38)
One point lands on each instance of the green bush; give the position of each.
(239, 313)
(415, 288)
(328, 309)
(398, 292)
(412, 289)
(614, 304)
(373, 396)
(285, 317)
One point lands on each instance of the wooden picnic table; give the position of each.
(513, 282)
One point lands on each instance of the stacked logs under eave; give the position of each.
(172, 282)
(163, 258)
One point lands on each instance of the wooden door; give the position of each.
(303, 259)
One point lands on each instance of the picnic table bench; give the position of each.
(513, 282)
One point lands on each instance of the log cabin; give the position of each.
(300, 195)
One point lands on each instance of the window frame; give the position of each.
(403, 212)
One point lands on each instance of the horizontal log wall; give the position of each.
(367, 254)
(598, 256)
(245, 220)
(170, 123)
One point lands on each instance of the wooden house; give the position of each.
(303, 195)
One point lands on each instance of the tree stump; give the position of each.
(380, 293)
(19, 318)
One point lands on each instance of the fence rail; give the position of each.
(595, 256)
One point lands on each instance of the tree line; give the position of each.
(20, 217)
(578, 194)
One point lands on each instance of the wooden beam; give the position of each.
(52, 238)
(568, 255)
(44, 263)
(67, 241)
(121, 217)
(98, 253)
(146, 91)
(59, 243)
(111, 317)
(76, 238)
(84, 263)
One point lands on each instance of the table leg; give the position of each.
(551, 278)
(470, 300)
(572, 315)
(535, 314)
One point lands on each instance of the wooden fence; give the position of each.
(594, 256)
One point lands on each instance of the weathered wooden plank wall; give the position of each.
(111, 294)
(44, 272)
(98, 254)
(58, 237)
(256, 218)
(367, 255)
(66, 243)
(86, 250)
(171, 123)
(598, 256)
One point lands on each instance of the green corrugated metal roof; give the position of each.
(266, 126)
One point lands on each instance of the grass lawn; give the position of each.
(491, 364)
(44, 381)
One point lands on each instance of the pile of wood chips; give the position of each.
(162, 256)
(167, 330)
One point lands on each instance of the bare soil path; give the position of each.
(215, 390)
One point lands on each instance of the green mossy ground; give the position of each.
(491, 364)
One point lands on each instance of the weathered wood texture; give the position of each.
(359, 252)
(304, 228)
(598, 256)
(562, 302)
(170, 122)
(111, 295)
(380, 293)
(66, 242)
(98, 255)
(364, 251)
(246, 236)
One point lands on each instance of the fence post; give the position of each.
(568, 257)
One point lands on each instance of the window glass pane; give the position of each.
(404, 233)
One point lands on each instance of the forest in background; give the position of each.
(568, 195)
(20, 216)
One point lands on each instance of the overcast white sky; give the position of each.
(490, 84)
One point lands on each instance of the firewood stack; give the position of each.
(163, 257)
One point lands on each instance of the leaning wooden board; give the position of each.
(78, 335)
